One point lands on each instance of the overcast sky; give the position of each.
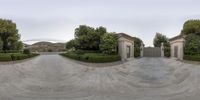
(57, 19)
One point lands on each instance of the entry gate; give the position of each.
(152, 52)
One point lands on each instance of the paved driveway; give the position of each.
(52, 77)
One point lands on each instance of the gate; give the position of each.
(152, 52)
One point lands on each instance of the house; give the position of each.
(125, 46)
(177, 47)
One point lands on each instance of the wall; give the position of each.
(122, 45)
(180, 44)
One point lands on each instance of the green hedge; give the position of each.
(192, 57)
(5, 57)
(15, 56)
(92, 57)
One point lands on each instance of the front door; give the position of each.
(128, 51)
(176, 51)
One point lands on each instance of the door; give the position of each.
(128, 51)
(176, 51)
(152, 52)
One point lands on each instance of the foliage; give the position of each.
(88, 38)
(26, 51)
(71, 44)
(191, 27)
(5, 57)
(108, 44)
(137, 45)
(192, 44)
(92, 57)
(167, 52)
(159, 39)
(15, 56)
(1, 44)
(8, 34)
(192, 57)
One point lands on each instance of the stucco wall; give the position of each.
(180, 44)
(122, 46)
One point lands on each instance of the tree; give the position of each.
(137, 45)
(1, 44)
(88, 38)
(190, 27)
(192, 45)
(108, 43)
(8, 33)
(159, 39)
(71, 44)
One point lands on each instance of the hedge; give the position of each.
(15, 56)
(192, 57)
(92, 57)
(5, 57)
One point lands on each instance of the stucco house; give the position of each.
(125, 46)
(177, 47)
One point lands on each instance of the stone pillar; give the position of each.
(142, 50)
(162, 50)
(133, 50)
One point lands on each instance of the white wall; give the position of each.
(180, 44)
(122, 45)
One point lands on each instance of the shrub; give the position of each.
(5, 57)
(108, 44)
(192, 57)
(11, 51)
(167, 52)
(92, 57)
(15, 56)
(26, 51)
(192, 45)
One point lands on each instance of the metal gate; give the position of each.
(152, 52)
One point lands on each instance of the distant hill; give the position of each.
(46, 47)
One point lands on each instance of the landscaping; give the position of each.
(15, 56)
(10, 45)
(92, 57)
(191, 30)
(94, 45)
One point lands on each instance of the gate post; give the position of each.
(142, 50)
(162, 50)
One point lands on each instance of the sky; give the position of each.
(56, 20)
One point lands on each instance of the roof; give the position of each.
(176, 37)
(125, 36)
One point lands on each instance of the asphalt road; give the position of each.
(52, 77)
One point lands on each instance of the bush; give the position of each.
(192, 57)
(136, 51)
(15, 56)
(26, 51)
(11, 51)
(192, 45)
(167, 52)
(92, 57)
(5, 57)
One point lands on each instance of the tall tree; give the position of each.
(108, 43)
(191, 27)
(160, 38)
(88, 38)
(8, 33)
